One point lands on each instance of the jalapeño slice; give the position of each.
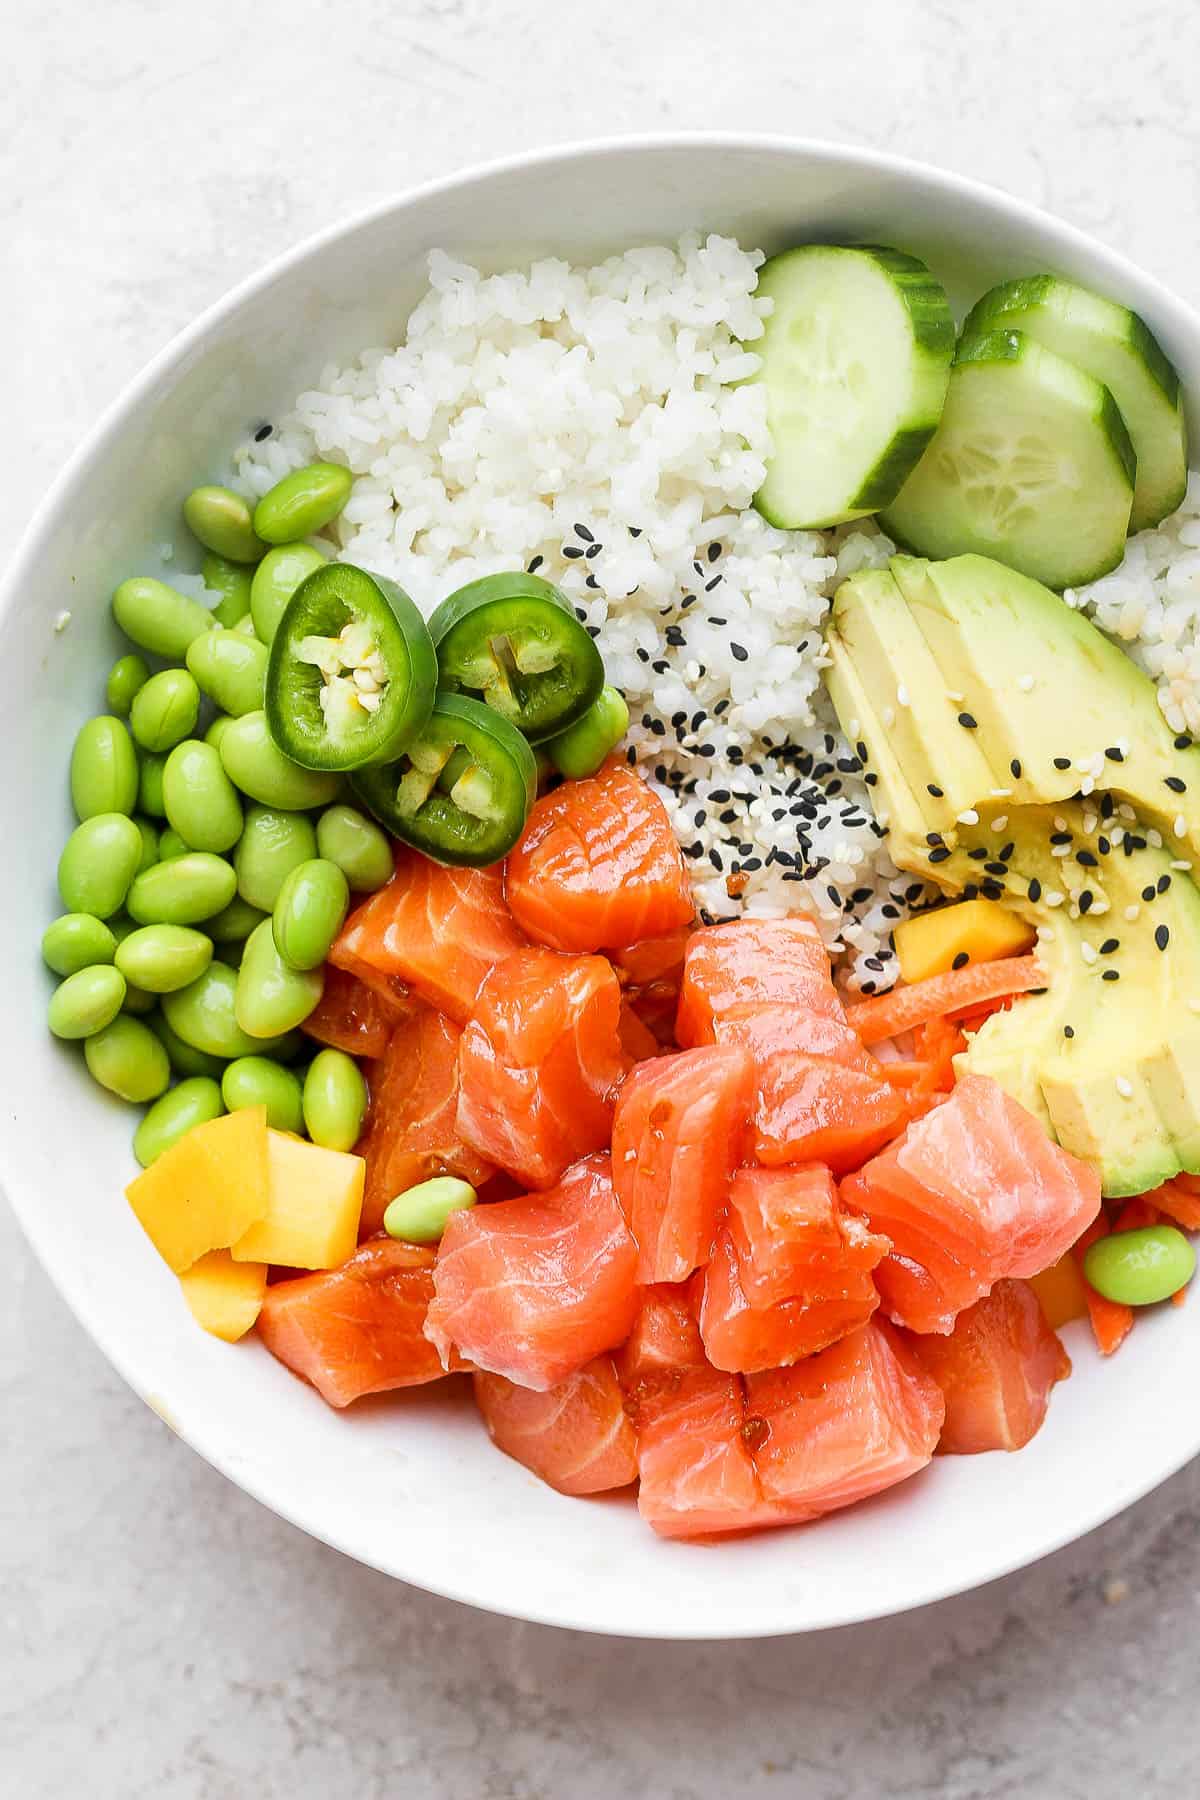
(461, 791)
(514, 641)
(352, 673)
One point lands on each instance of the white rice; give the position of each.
(589, 423)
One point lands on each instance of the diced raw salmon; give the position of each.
(540, 1062)
(972, 1192)
(352, 1016)
(441, 931)
(793, 1237)
(575, 1436)
(738, 1336)
(637, 1040)
(815, 1109)
(777, 1029)
(533, 1289)
(599, 867)
(665, 1336)
(840, 1426)
(652, 959)
(750, 963)
(358, 1329)
(995, 1370)
(697, 1476)
(678, 1134)
(412, 1132)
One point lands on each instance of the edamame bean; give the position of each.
(158, 618)
(231, 581)
(184, 1059)
(192, 1103)
(77, 941)
(255, 763)
(127, 1059)
(86, 1002)
(104, 769)
(1137, 1268)
(200, 800)
(271, 998)
(231, 669)
(272, 844)
(138, 1000)
(309, 912)
(257, 1081)
(234, 923)
(245, 627)
(203, 1016)
(150, 843)
(420, 1215)
(98, 864)
(580, 750)
(303, 502)
(335, 1100)
(184, 891)
(161, 958)
(276, 579)
(217, 730)
(127, 675)
(355, 843)
(223, 523)
(165, 710)
(150, 790)
(171, 844)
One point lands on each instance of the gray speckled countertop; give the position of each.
(162, 1635)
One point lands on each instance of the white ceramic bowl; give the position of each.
(412, 1485)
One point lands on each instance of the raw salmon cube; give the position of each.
(540, 1062)
(665, 1336)
(352, 1016)
(697, 1476)
(738, 1336)
(793, 1237)
(575, 1436)
(814, 1109)
(995, 1370)
(533, 1289)
(678, 1133)
(752, 963)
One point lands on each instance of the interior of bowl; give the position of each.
(411, 1484)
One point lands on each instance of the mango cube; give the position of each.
(313, 1206)
(206, 1191)
(1061, 1291)
(980, 930)
(224, 1296)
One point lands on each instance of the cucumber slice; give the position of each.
(1031, 464)
(855, 359)
(1114, 346)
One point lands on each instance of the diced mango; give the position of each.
(224, 1296)
(1061, 1291)
(313, 1206)
(980, 930)
(206, 1191)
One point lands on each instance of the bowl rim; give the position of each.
(24, 1202)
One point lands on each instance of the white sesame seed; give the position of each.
(1000, 793)
(1089, 824)
(902, 695)
(1060, 824)
(970, 817)
(1060, 849)
(61, 621)
(889, 716)
(1154, 839)
(1184, 867)
(1000, 823)
(855, 729)
(1045, 934)
(1087, 785)
(1052, 897)
(1132, 913)
(955, 697)
(1127, 813)
(1180, 825)
(1025, 683)
(1124, 1088)
(1088, 953)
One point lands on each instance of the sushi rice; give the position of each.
(593, 424)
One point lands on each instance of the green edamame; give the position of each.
(190, 1104)
(184, 891)
(245, 626)
(309, 912)
(86, 1002)
(255, 763)
(203, 1016)
(231, 669)
(420, 1215)
(127, 1059)
(258, 1081)
(171, 844)
(150, 843)
(98, 864)
(138, 1000)
(165, 710)
(580, 750)
(223, 523)
(273, 843)
(1140, 1267)
(127, 675)
(104, 769)
(276, 579)
(355, 843)
(334, 1100)
(217, 730)
(77, 941)
(231, 581)
(150, 784)
(271, 998)
(158, 618)
(303, 502)
(161, 958)
(234, 923)
(200, 800)
(184, 1059)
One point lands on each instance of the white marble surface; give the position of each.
(159, 1633)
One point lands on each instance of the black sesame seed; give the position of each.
(1111, 975)
(979, 855)
(741, 654)
(1183, 741)
(581, 531)
(593, 631)
(1060, 837)
(937, 792)
(1068, 1031)
(1163, 883)
(1108, 805)
(1114, 754)
(658, 728)
(1015, 768)
(961, 960)
(715, 582)
(1109, 945)
(968, 721)
(868, 987)
(572, 551)
(1148, 893)
(1086, 897)
(675, 637)
(642, 655)
(1103, 845)
(862, 751)
(1086, 859)
(871, 778)
(1035, 889)
(1006, 855)
(660, 667)
(635, 531)
(991, 890)
(593, 550)
(631, 756)
(1176, 784)
(714, 550)
(263, 433)
(1162, 936)
(534, 564)
(1062, 762)
(996, 868)
(939, 855)
(933, 837)
(718, 796)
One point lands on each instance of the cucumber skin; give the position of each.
(932, 326)
(1009, 346)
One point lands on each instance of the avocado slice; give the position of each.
(1108, 1057)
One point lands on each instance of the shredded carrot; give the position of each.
(1189, 1183)
(1111, 1322)
(1137, 1212)
(1180, 1205)
(887, 1015)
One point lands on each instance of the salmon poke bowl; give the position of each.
(612, 846)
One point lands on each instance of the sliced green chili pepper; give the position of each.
(479, 818)
(514, 641)
(352, 673)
